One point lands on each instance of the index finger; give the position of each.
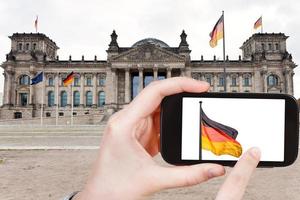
(235, 184)
(150, 98)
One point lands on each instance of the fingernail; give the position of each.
(215, 171)
(255, 152)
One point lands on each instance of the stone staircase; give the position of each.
(31, 137)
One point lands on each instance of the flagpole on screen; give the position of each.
(56, 112)
(200, 134)
(42, 105)
(224, 67)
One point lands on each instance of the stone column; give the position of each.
(82, 89)
(31, 91)
(141, 79)
(69, 92)
(56, 89)
(265, 84)
(155, 73)
(127, 85)
(169, 70)
(227, 86)
(240, 82)
(5, 89)
(95, 89)
(215, 82)
(9, 89)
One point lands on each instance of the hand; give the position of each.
(125, 169)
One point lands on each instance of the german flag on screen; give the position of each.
(69, 79)
(218, 138)
(217, 33)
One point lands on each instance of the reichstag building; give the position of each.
(104, 86)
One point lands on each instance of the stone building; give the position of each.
(104, 86)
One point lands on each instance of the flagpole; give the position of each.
(72, 104)
(56, 112)
(261, 25)
(224, 67)
(200, 134)
(42, 105)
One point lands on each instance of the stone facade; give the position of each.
(104, 86)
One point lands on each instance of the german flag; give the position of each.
(69, 79)
(218, 138)
(217, 33)
(258, 23)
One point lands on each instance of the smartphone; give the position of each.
(220, 127)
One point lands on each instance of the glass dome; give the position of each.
(151, 41)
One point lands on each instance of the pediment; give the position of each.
(148, 53)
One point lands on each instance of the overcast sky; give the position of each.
(84, 27)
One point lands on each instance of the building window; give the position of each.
(20, 46)
(89, 98)
(134, 84)
(50, 81)
(101, 99)
(76, 98)
(27, 47)
(61, 114)
(76, 81)
(233, 81)
(161, 75)
(63, 99)
(221, 81)
(34, 46)
(247, 81)
(233, 91)
(276, 46)
(270, 46)
(102, 80)
(148, 78)
(208, 79)
(89, 81)
(272, 80)
(247, 91)
(50, 98)
(262, 46)
(24, 80)
(48, 114)
(17, 115)
(23, 99)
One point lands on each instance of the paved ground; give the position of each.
(50, 174)
(64, 164)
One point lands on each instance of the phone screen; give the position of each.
(224, 128)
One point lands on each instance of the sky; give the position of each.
(83, 27)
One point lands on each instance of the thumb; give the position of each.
(171, 177)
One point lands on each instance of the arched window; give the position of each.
(247, 80)
(221, 81)
(102, 80)
(101, 98)
(276, 46)
(76, 98)
(50, 81)
(89, 81)
(272, 80)
(63, 99)
(88, 98)
(27, 47)
(262, 46)
(20, 46)
(34, 46)
(233, 81)
(24, 80)
(76, 81)
(270, 46)
(50, 98)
